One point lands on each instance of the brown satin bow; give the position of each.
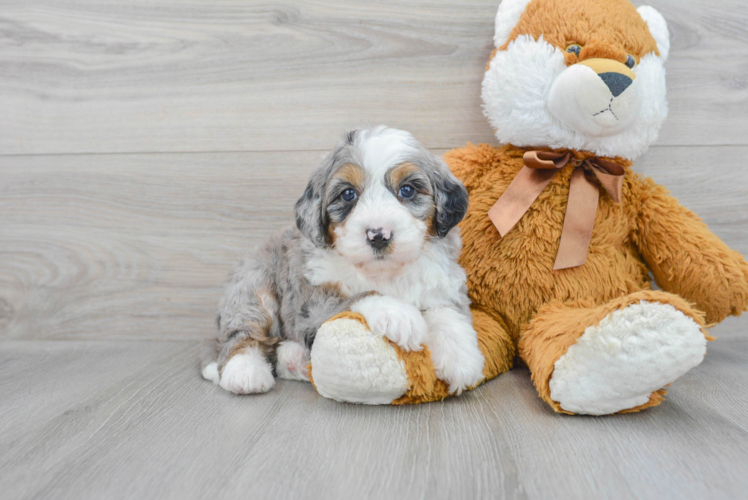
(539, 169)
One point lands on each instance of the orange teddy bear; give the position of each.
(561, 234)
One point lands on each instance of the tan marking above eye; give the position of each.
(352, 174)
(400, 172)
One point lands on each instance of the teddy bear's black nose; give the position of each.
(616, 82)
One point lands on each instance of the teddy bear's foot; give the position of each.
(621, 363)
(352, 364)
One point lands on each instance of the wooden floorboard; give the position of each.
(139, 246)
(145, 146)
(186, 75)
(112, 419)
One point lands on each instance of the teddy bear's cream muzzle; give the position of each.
(595, 97)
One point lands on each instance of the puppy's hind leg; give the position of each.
(293, 361)
(321, 304)
(247, 370)
(248, 331)
(208, 364)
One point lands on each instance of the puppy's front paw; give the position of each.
(402, 323)
(453, 343)
(247, 373)
(464, 373)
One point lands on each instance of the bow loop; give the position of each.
(540, 167)
(546, 160)
(610, 176)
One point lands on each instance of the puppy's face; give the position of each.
(380, 212)
(378, 197)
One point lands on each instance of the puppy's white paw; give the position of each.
(293, 361)
(210, 372)
(462, 374)
(454, 349)
(247, 373)
(402, 323)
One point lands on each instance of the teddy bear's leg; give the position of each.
(495, 342)
(616, 357)
(350, 363)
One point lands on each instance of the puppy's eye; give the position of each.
(630, 61)
(349, 195)
(574, 48)
(407, 191)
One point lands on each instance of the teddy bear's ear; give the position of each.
(507, 18)
(658, 27)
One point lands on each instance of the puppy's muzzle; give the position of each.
(379, 238)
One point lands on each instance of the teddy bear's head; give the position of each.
(578, 74)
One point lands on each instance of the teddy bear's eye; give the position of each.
(630, 61)
(574, 48)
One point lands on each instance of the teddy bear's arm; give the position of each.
(686, 258)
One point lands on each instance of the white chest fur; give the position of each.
(433, 279)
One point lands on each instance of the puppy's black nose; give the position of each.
(378, 238)
(616, 82)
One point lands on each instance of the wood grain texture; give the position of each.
(116, 420)
(139, 246)
(112, 261)
(238, 75)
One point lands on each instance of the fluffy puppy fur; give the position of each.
(375, 233)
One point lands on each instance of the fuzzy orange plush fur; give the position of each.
(604, 28)
(548, 310)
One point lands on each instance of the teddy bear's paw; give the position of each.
(453, 343)
(247, 373)
(402, 323)
(631, 353)
(293, 361)
(352, 364)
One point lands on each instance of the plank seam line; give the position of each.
(250, 151)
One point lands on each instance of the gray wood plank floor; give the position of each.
(120, 419)
(145, 146)
(82, 76)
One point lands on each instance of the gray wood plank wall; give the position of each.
(144, 146)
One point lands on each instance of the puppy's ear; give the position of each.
(310, 214)
(451, 199)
